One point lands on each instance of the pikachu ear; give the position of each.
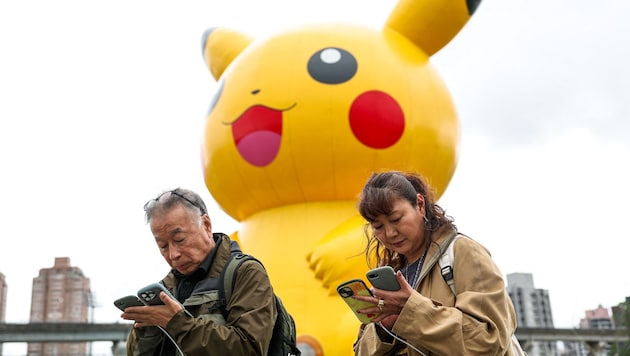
(431, 24)
(220, 46)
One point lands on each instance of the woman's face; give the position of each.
(403, 229)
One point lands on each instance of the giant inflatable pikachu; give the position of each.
(299, 122)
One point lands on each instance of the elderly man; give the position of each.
(193, 324)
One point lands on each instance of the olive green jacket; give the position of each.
(250, 319)
(480, 320)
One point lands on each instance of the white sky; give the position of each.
(102, 105)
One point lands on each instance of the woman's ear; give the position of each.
(420, 202)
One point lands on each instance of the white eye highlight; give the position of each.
(332, 65)
(330, 55)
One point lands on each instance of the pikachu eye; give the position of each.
(332, 65)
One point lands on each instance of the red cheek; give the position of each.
(376, 119)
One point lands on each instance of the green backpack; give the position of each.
(283, 340)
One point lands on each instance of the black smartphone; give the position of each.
(356, 287)
(383, 278)
(150, 295)
(128, 301)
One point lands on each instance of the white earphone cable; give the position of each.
(401, 340)
(172, 340)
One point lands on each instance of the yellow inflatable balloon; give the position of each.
(299, 122)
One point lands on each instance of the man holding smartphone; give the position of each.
(193, 324)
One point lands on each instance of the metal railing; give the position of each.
(84, 332)
(63, 332)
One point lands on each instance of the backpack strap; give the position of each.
(433, 259)
(227, 279)
(283, 340)
(446, 263)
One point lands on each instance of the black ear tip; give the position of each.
(472, 6)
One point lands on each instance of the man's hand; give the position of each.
(155, 315)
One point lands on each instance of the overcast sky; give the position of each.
(102, 105)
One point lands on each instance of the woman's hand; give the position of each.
(391, 302)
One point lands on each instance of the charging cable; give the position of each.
(172, 340)
(401, 340)
(170, 337)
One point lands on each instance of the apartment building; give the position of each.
(533, 309)
(3, 301)
(60, 294)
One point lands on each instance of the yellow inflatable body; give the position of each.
(299, 122)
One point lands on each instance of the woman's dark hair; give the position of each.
(378, 197)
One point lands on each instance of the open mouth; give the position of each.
(257, 134)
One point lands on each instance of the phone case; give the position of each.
(383, 278)
(356, 287)
(128, 301)
(150, 295)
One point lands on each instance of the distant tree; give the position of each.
(622, 348)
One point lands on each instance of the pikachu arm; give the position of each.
(234, 237)
(339, 256)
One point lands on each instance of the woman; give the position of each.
(409, 232)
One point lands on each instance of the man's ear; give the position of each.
(207, 223)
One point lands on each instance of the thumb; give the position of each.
(401, 279)
(170, 302)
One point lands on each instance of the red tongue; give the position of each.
(257, 135)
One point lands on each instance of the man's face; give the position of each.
(183, 236)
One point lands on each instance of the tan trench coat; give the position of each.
(479, 321)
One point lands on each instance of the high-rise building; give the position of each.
(598, 318)
(3, 298)
(60, 294)
(3, 301)
(533, 309)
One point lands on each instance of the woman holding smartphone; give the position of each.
(408, 231)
